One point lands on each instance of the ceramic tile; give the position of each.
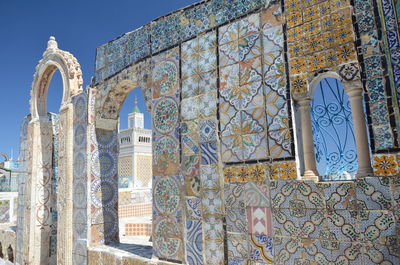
(234, 195)
(238, 245)
(236, 220)
(259, 220)
(193, 208)
(385, 165)
(261, 249)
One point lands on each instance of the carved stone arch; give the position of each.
(54, 59)
(116, 97)
(49, 240)
(111, 93)
(318, 78)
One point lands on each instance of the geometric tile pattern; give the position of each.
(342, 221)
(252, 90)
(241, 101)
(186, 24)
(277, 103)
(200, 148)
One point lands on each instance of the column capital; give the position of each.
(353, 88)
(304, 102)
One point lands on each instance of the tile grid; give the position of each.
(335, 221)
(168, 218)
(79, 251)
(375, 75)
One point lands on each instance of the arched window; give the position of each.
(333, 131)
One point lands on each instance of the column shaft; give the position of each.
(310, 170)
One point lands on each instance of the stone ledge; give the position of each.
(109, 255)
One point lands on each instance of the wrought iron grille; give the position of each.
(332, 126)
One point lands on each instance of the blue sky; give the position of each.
(79, 27)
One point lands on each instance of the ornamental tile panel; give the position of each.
(385, 165)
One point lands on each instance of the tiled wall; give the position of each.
(224, 166)
(166, 32)
(219, 79)
(80, 181)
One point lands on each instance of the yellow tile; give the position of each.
(338, 4)
(295, 49)
(343, 35)
(294, 19)
(311, 13)
(316, 61)
(298, 84)
(342, 18)
(328, 39)
(293, 5)
(297, 66)
(311, 28)
(330, 58)
(294, 34)
(346, 53)
(324, 8)
(326, 23)
(314, 44)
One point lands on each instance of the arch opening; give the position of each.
(134, 170)
(333, 131)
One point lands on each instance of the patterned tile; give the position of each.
(376, 226)
(383, 137)
(208, 130)
(238, 245)
(234, 195)
(261, 249)
(214, 252)
(283, 170)
(213, 229)
(257, 194)
(212, 203)
(208, 153)
(193, 208)
(256, 172)
(236, 220)
(209, 177)
(385, 165)
(374, 193)
(259, 220)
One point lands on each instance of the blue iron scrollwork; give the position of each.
(332, 127)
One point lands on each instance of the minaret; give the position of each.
(135, 118)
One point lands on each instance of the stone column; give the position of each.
(310, 170)
(360, 129)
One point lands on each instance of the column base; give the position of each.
(364, 172)
(310, 175)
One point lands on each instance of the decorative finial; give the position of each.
(52, 44)
(136, 108)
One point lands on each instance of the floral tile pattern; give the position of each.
(385, 165)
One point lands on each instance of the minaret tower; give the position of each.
(135, 118)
